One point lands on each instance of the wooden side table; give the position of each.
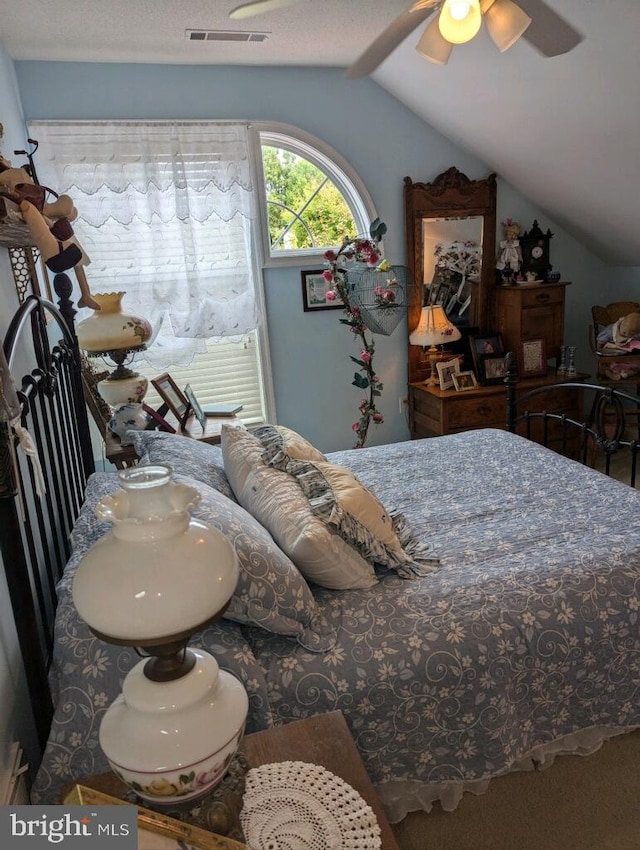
(123, 456)
(323, 740)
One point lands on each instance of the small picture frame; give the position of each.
(195, 406)
(493, 368)
(171, 395)
(483, 346)
(463, 381)
(314, 293)
(157, 829)
(158, 421)
(446, 371)
(533, 359)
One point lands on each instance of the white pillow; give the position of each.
(276, 500)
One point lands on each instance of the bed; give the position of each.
(518, 641)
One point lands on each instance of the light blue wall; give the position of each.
(378, 136)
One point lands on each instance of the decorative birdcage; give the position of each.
(380, 294)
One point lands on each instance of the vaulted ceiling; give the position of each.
(564, 131)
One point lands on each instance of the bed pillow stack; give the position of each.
(276, 500)
(337, 498)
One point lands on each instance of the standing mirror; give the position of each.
(451, 244)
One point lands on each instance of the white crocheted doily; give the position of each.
(294, 805)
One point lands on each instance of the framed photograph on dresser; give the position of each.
(446, 370)
(485, 346)
(532, 360)
(463, 381)
(493, 368)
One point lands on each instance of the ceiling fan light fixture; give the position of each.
(506, 22)
(258, 7)
(460, 20)
(433, 46)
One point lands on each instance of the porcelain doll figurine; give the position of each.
(510, 254)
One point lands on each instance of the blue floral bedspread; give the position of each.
(526, 632)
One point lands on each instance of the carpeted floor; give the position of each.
(579, 803)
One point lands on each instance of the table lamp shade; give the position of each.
(110, 328)
(434, 328)
(111, 333)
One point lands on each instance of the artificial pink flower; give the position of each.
(330, 295)
(364, 355)
(330, 255)
(355, 311)
(378, 418)
(328, 276)
(355, 427)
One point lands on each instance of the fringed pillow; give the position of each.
(282, 444)
(339, 499)
(275, 499)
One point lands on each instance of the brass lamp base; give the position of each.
(432, 354)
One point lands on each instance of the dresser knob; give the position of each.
(543, 297)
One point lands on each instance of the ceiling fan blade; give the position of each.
(394, 35)
(548, 31)
(258, 7)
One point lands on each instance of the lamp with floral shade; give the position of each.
(434, 329)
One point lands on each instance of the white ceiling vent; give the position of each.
(224, 35)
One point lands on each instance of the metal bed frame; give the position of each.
(35, 530)
(594, 440)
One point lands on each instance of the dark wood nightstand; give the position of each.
(324, 740)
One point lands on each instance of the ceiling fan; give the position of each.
(458, 21)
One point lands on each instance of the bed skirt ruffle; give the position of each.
(399, 798)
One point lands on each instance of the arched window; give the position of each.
(312, 198)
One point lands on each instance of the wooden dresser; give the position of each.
(434, 412)
(531, 311)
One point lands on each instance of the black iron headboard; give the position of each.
(610, 424)
(35, 529)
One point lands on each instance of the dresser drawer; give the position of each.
(541, 297)
(473, 411)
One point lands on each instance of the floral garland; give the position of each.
(363, 250)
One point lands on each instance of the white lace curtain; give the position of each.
(166, 212)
